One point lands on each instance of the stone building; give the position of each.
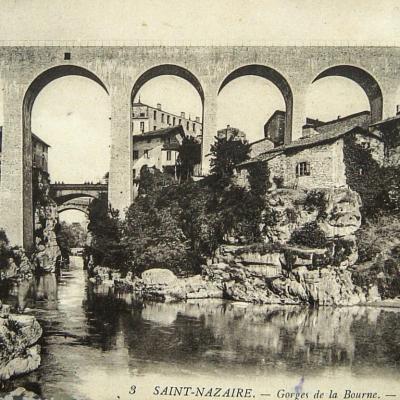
(231, 133)
(146, 118)
(159, 149)
(317, 159)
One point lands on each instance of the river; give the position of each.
(100, 345)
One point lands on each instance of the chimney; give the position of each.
(183, 114)
(398, 109)
(159, 106)
(197, 119)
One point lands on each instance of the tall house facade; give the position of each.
(146, 118)
(274, 128)
(40, 153)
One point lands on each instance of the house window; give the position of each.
(67, 56)
(142, 114)
(168, 119)
(187, 125)
(162, 117)
(135, 154)
(173, 121)
(194, 127)
(169, 155)
(142, 127)
(366, 145)
(155, 115)
(303, 169)
(134, 173)
(154, 128)
(180, 122)
(146, 154)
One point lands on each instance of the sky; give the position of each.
(72, 113)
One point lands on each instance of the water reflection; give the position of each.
(92, 331)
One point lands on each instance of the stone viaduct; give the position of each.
(121, 71)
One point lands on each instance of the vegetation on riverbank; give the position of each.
(177, 225)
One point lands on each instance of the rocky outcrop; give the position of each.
(335, 210)
(160, 284)
(288, 275)
(46, 220)
(18, 266)
(281, 270)
(19, 351)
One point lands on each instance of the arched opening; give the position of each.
(166, 105)
(263, 93)
(351, 90)
(72, 232)
(62, 130)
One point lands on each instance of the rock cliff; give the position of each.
(19, 351)
(335, 210)
(46, 220)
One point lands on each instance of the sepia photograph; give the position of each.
(199, 199)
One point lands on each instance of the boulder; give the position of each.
(158, 276)
(20, 393)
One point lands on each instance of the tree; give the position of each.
(226, 154)
(104, 225)
(189, 156)
(70, 236)
(153, 237)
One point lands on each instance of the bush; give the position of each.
(309, 235)
(316, 200)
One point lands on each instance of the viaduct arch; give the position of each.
(277, 79)
(167, 69)
(31, 94)
(121, 70)
(365, 80)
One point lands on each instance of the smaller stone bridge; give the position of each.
(65, 192)
(80, 204)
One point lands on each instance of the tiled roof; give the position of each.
(259, 158)
(172, 130)
(39, 140)
(386, 121)
(340, 119)
(315, 139)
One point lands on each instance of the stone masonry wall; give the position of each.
(326, 166)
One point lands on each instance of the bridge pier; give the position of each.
(16, 208)
(209, 126)
(120, 192)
